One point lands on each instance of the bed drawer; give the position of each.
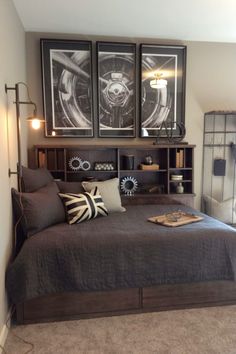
(188, 295)
(78, 304)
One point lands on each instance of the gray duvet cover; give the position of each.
(120, 251)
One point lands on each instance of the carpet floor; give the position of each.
(196, 331)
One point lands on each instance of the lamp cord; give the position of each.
(11, 331)
(27, 89)
(19, 219)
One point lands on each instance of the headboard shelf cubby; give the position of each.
(163, 170)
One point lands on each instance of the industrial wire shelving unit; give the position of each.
(219, 171)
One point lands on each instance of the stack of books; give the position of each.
(176, 177)
(179, 158)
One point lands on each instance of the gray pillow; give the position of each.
(224, 210)
(32, 180)
(110, 193)
(40, 209)
(70, 187)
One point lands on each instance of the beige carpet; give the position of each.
(196, 331)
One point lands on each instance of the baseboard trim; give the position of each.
(4, 331)
(3, 336)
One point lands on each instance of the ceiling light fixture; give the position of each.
(158, 82)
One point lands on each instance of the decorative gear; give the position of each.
(75, 163)
(85, 165)
(128, 185)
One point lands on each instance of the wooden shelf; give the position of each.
(93, 171)
(57, 157)
(182, 180)
(180, 168)
(143, 171)
(57, 171)
(186, 194)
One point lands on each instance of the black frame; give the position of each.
(70, 108)
(116, 48)
(177, 113)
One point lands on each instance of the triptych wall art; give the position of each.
(69, 76)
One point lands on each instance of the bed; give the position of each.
(123, 264)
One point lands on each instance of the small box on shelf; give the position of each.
(153, 167)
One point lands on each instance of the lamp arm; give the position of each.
(18, 102)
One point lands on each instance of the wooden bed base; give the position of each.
(78, 305)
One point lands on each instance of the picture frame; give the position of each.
(162, 90)
(67, 87)
(116, 83)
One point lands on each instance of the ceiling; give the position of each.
(198, 20)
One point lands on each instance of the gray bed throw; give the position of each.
(123, 250)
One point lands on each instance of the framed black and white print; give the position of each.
(116, 63)
(162, 91)
(67, 88)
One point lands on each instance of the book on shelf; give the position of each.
(179, 163)
(42, 159)
(181, 158)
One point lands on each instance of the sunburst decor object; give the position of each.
(75, 163)
(129, 185)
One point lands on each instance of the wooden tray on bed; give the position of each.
(174, 219)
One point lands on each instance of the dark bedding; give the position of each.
(119, 251)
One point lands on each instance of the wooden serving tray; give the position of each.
(153, 167)
(175, 219)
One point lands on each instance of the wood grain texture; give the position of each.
(73, 304)
(68, 306)
(57, 158)
(189, 294)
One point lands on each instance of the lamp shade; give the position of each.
(158, 83)
(35, 122)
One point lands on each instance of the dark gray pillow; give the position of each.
(32, 180)
(70, 187)
(41, 209)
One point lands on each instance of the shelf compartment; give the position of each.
(186, 184)
(80, 177)
(58, 175)
(92, 171)
(159, 156)
(99, 154)
(186, 173)
(143, 171)
(56, 158)
(180, 158)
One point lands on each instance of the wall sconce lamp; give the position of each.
(35, 122)
(158, 82)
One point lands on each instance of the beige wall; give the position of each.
(211, 84)
(12, 70)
